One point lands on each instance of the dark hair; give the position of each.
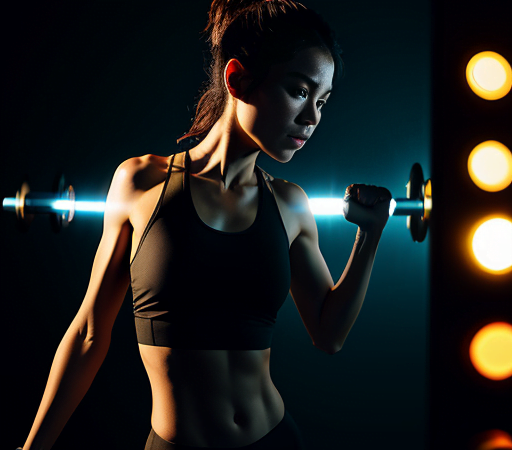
(258, 34)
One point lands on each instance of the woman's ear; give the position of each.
(236, 78)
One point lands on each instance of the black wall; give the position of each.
(464, 298)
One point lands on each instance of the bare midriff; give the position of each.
(211, 398)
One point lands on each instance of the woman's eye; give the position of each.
(301, 92)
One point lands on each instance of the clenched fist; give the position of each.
(367, 206)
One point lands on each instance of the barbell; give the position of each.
(61, 204)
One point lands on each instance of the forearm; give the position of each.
(74, 367)
(344, 301)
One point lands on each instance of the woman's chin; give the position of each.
(287, 155)
(282, 156)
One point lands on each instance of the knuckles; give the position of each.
(367, 206)
(367, 195)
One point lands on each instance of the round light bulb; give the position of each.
(489, 75)
(490, 351)
(490, 166)
(492, 245)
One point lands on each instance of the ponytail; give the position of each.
(259, 34)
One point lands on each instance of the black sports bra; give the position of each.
(199, 288)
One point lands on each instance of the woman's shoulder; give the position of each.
(293, 206)
(142, 164)
(137, 175)
(291, 194)
(141, 173)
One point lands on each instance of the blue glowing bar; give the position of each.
(327, 206)
(66, 205)
(319, 206)
(49, 205)
(335, 206)
(9, 203)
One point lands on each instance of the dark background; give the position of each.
(86, 87)
(464, 298)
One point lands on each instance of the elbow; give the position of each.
(332, 350)
(96, 341)
(88, 339)
(328, 344)
(329, 349)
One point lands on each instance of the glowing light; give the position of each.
(319, 206)
(489, 75)
(327, 206)
(490, 351)
(490, 166)
(492, 440)
(492, 245)
(392, 206)
(335, 206)
(10, 203)
(67, 205)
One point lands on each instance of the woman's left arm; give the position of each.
(327, 310)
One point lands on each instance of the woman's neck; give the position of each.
(226, 155)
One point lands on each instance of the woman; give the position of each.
(211, 245)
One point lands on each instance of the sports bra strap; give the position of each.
(176, 183)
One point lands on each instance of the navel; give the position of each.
(238, 418)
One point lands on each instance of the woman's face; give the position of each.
(286, 108)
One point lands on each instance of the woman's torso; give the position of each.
(209, 398)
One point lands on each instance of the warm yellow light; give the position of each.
(490, 166)
(492, 440)
(492, 245)
(489, 75)
(491, 351)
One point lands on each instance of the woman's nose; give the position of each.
(310, 115)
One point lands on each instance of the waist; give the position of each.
(227, 331)
(211, 397)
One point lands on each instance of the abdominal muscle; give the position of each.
(211, 398)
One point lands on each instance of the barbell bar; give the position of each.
(62, 205)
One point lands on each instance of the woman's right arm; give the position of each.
(85, 344)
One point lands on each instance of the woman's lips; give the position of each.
(298, 142)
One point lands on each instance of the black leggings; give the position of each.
(284, 436)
